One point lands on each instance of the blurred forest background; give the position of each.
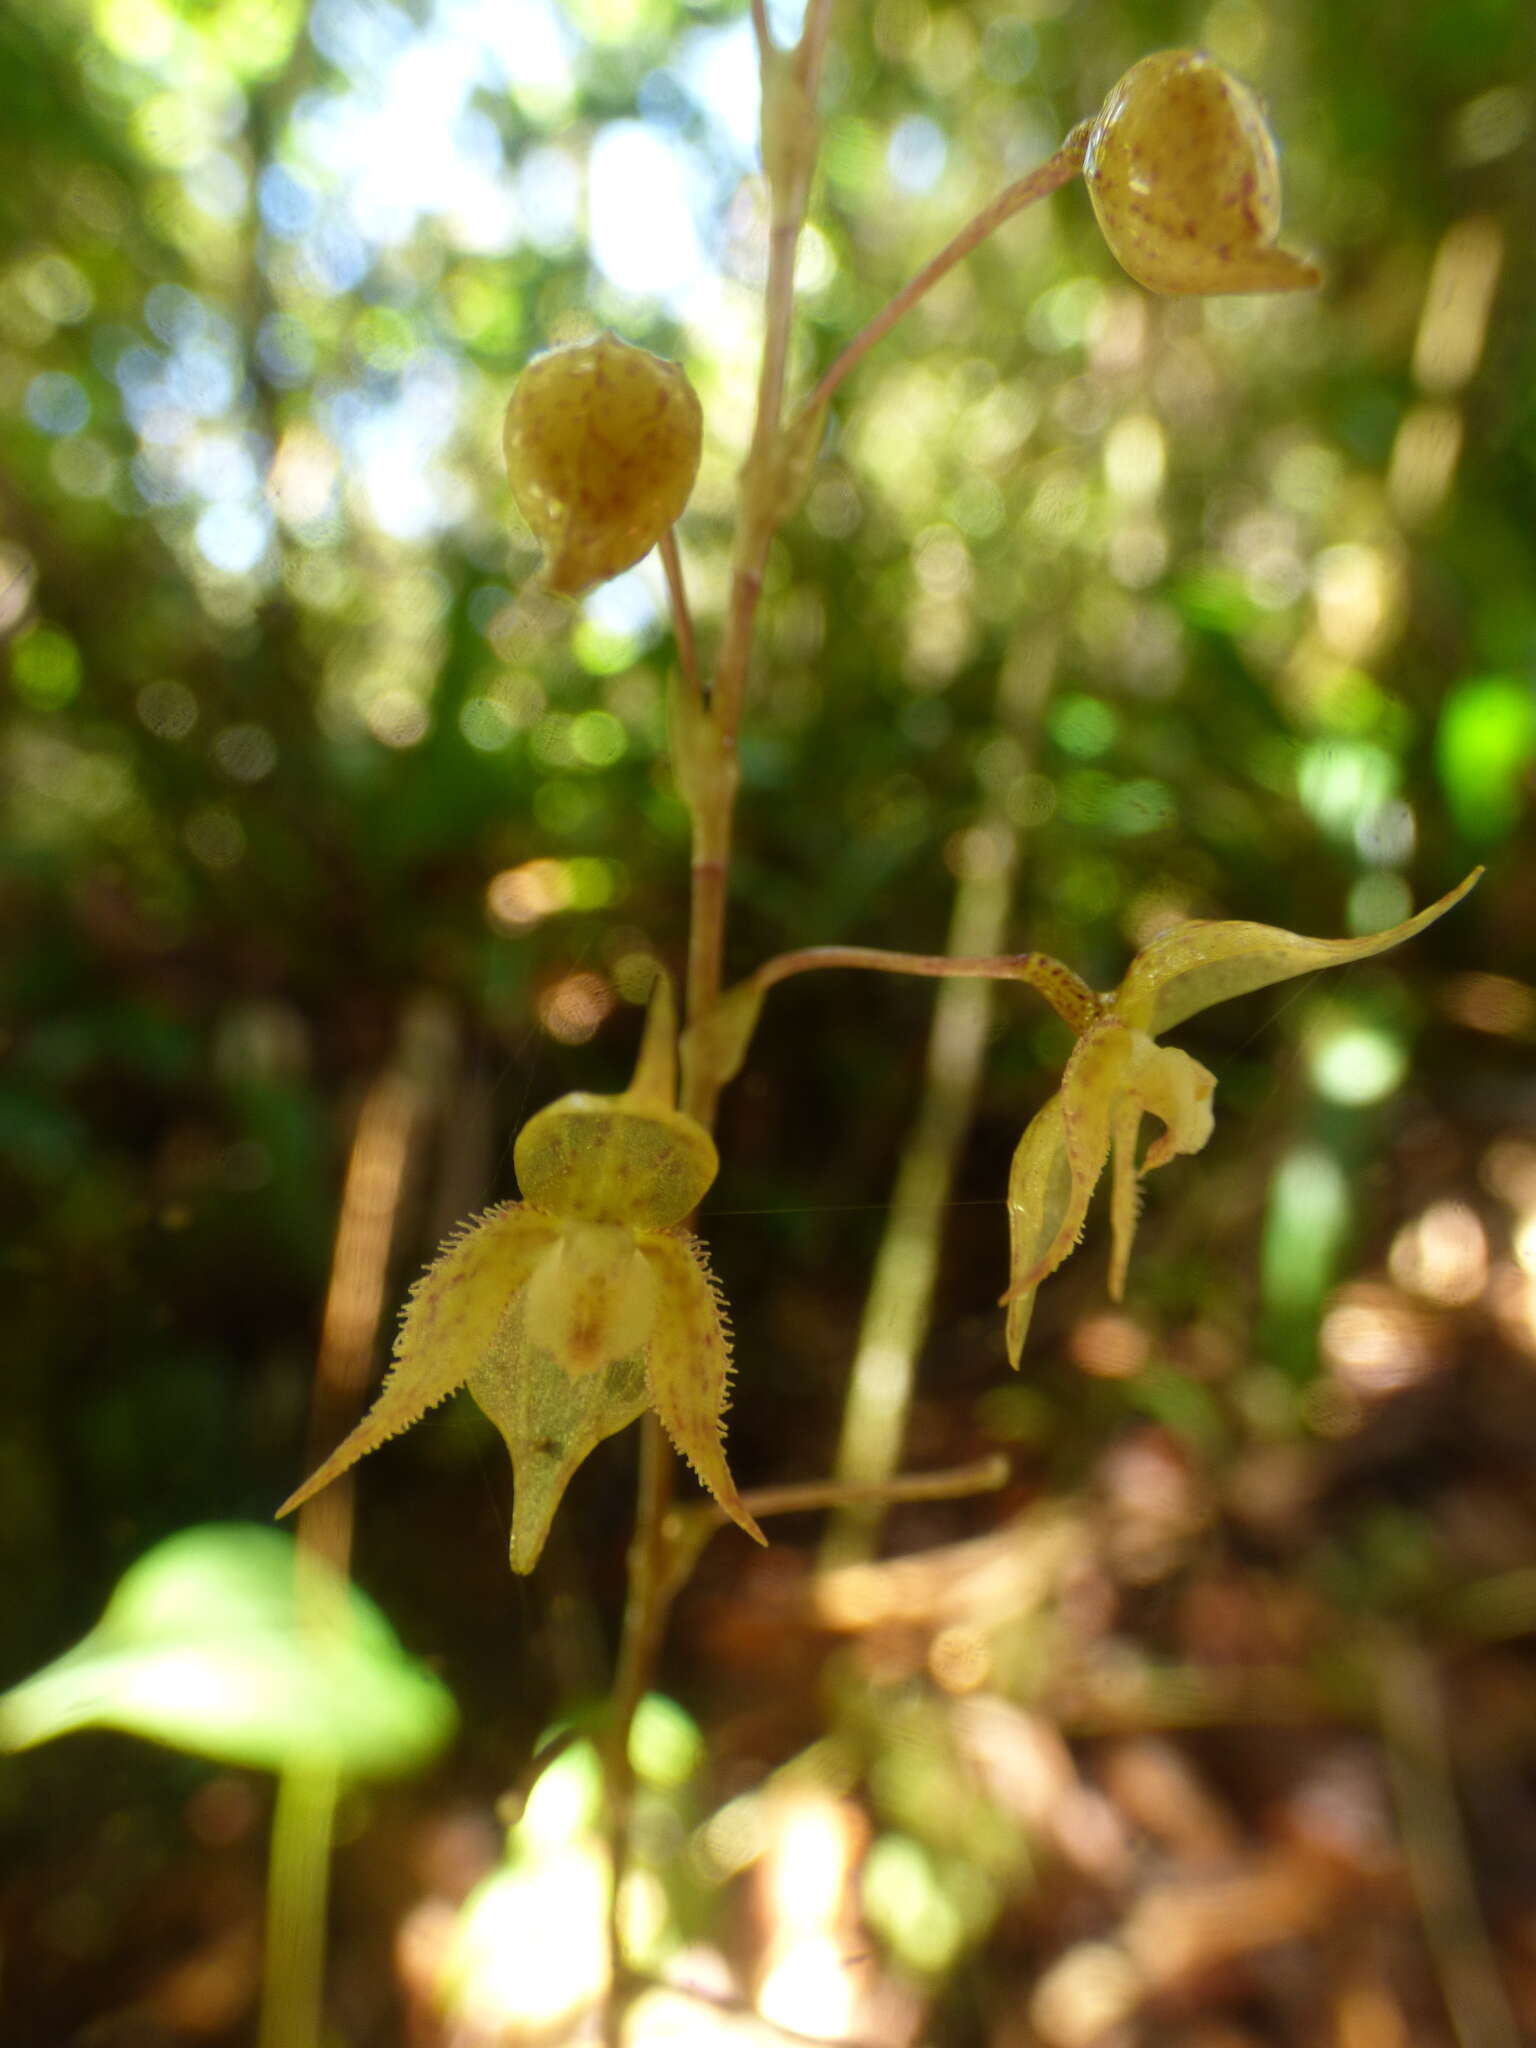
(326, 858)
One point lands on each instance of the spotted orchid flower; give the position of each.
(569, 1313)
(1118, 1073)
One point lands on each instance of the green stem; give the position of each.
(298, 1868)
(812, 1496)
(1435, 1849)
(682, 616)
(1067, 993)
(646, 1607)
(900, 1298)
(711, 794)
(789, 167)
(1056, 171)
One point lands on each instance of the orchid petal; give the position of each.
(1177, 1090)
(1194, 965)
(450, 1323)
(1163, 1082)
(1090, 1087)
(603, 1159)
(654, 1085)
(689, 1362)
(550, 1422)
(590, 1298)
(1039, 1192)
(1124, 1197)
(1048, 1196)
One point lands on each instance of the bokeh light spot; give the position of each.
(574, 1007)
(1357, 1064)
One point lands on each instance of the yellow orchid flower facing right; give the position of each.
(1118, 1073)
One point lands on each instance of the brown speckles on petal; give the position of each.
(549, 1422)
(1184, 179)
(589, 1298)
(602, 443)
(605, 1159)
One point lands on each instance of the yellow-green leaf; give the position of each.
(213, 1643)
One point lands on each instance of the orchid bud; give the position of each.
(602, 443)
(1182, 171)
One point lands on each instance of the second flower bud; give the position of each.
(602, 442)
(1182, 171)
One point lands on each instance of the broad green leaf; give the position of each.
(222, 1641)
(666, 1746)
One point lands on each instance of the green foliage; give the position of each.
(215, 1642)
(1484, 748)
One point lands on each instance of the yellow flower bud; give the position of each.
(602, 443)
(1183, 175)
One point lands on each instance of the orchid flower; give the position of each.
(1118, 1073)
(569, 1313)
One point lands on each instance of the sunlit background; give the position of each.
(329, 851)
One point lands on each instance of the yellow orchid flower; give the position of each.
(1118, 1074)
(570, 1312)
